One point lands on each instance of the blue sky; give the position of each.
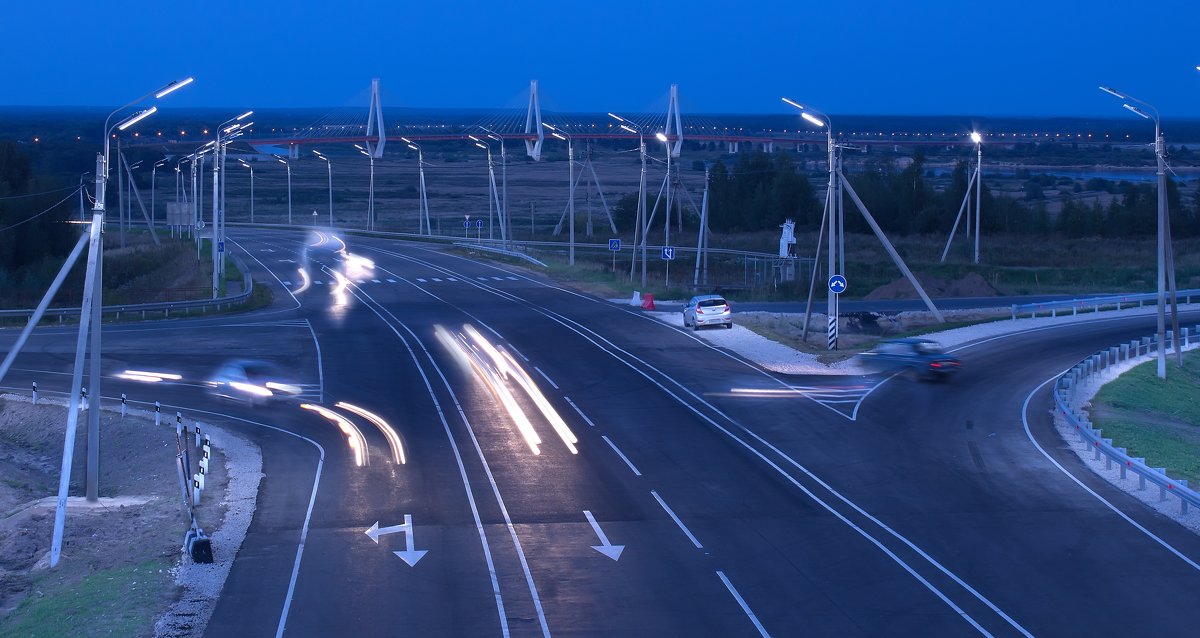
(865, 57)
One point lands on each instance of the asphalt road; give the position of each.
(867, 508)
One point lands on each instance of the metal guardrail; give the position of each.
(1096, 303)
(159, 306)
(501, 251)
(1065, 399)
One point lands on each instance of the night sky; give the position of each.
(914, 57)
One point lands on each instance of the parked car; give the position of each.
(255, 382)
(707, 310)
(924, 358)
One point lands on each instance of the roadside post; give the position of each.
(157, 413)
(124, 400)
(837, 285)
(35, 392)
(668, 255)
(614, 246)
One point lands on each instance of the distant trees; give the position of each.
(30, 244)
(1134, 213)
(759, 192)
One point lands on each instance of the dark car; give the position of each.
(924, 358)
(252, 382)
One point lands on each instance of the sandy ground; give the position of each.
(139, 517)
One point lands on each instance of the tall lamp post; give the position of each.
(641, 221)
(371, 190)
(506, 222)
(422, 202)
(153, 186)
(289, 180)
(329, 169)
(816, 118)
(1163, 228)
(667, 218)
(493, 192)
(89, 321)
(226, 128)
(563, 135)
(978, 139)
(243, 163)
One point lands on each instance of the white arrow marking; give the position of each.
(409, 555)
(606, 548)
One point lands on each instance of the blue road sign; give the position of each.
(466, 223)
(614, 244)
(220, 246)
(479, 223)
(837, 284)
(668, 253)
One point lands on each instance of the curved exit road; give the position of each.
(740, 508)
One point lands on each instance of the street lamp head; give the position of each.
(359, 147)
(1137, 110)
(243, 116)
(793, 103)
(617, 117)
(473, 138)
(660, 137)
(414, 147)
(137, 117)
(406, 140)
(812, 119)
(555, 134)
(481, 146)
(1114, 92)
(173, 86)
(976, 137)
(628, 129)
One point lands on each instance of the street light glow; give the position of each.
(173, 86)
(793, 103)
(1137, 110)
(137, 117)
(628, 129)
(660, 137)
(811, 119)
(976, 137)
(243, 116)
(481, 146)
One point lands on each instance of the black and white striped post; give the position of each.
(35, 392)
(124, 400)
(83, 401)
(157, 413)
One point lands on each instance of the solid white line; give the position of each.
(676, 519)
(1114, 508)
(572, 404)
(320, 364)
(621, 454)
(519, 353)
(547, 378)
(746, 608)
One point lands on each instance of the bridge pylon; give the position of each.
(375, 122)
(533, 124)
(674, 122)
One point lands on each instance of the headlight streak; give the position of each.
(304, 277)
(340, 299)
(250, 388)
(354, 436)
(388, 431)
(478, 352)
(129, 375)
(282, 387)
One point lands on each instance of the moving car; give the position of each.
(707, 310)
(255, 382)
(924, 358)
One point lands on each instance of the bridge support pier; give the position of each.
(732, 148)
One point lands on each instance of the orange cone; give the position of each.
(647, 301)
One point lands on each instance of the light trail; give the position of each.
(387, 430)
(354, 436)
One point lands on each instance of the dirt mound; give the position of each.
(970, 285)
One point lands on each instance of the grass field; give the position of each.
(1155, 419)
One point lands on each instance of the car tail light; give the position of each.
(726, 309)
(935, 364)
(699, 310)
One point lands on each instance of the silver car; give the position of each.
(707, 310)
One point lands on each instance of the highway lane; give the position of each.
(1018, 365)
(887, 593)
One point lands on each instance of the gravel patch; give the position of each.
(1168, 506)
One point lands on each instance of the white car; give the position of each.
(707, 310)
(253, 382)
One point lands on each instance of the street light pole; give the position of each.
(978, 139)
(562, 135)
(1159, 154)
(667, 218)
(422, 202)
(505, 221)
(289, 180)
(371, 190)
(153, 188)
(493, 193)
(243, 163)
(329, 169)
(641, 223)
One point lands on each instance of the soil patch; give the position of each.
(970, 285)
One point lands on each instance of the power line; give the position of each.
(29, 219)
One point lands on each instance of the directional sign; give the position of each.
(614, 244)
(409, 555)
(466, 223)
(199, 224)
(668, 253)
(479, 223)
(837, 284)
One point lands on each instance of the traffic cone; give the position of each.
(647, 301)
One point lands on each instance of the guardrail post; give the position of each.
(1123, 452)
(157, 413)
(1162, 489)
(1125, 351)
(35, 392)
(1014, 312)
(123, 408)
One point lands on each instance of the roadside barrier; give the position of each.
(1066, 398)
(647, 301)
(1096, 303)
(636, 300)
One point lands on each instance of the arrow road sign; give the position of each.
(409, 555)
(466, 223)
(668, 253)
(606, 548)
(479, 223)
(837, 284)
(614, 244)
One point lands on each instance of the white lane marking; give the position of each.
(375, 281)
(318, 282)
(742, 603)
(420, 280)
(320, 363)
(451, 279)
(391, 281)
(360, 281)
(519, 353)
(497, 279)
(621, 454)
(676, 519)
(482, 278)
(269, 271)
(547, 378)
(437, 279)
(287, 283)
(1114, 508)
(585, 417)
(478, 449)
(579, 329)
(512, 278)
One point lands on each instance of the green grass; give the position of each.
(121, 601)
(1155, 419)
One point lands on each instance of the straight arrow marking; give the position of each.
(606, 548)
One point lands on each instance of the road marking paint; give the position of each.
(622, 455)
(497, 279)
(318, 282)
(376, 281)
(742, 602)
(482, 278)
(287, 283)
(519, 354)
(436, 279)
(420, 280)
(1114, 508)
(391, 281)
(512, 278)
(585, 418)
(547, 378)
(451, 279)
(676, 519)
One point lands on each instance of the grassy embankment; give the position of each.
(1155, 419)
